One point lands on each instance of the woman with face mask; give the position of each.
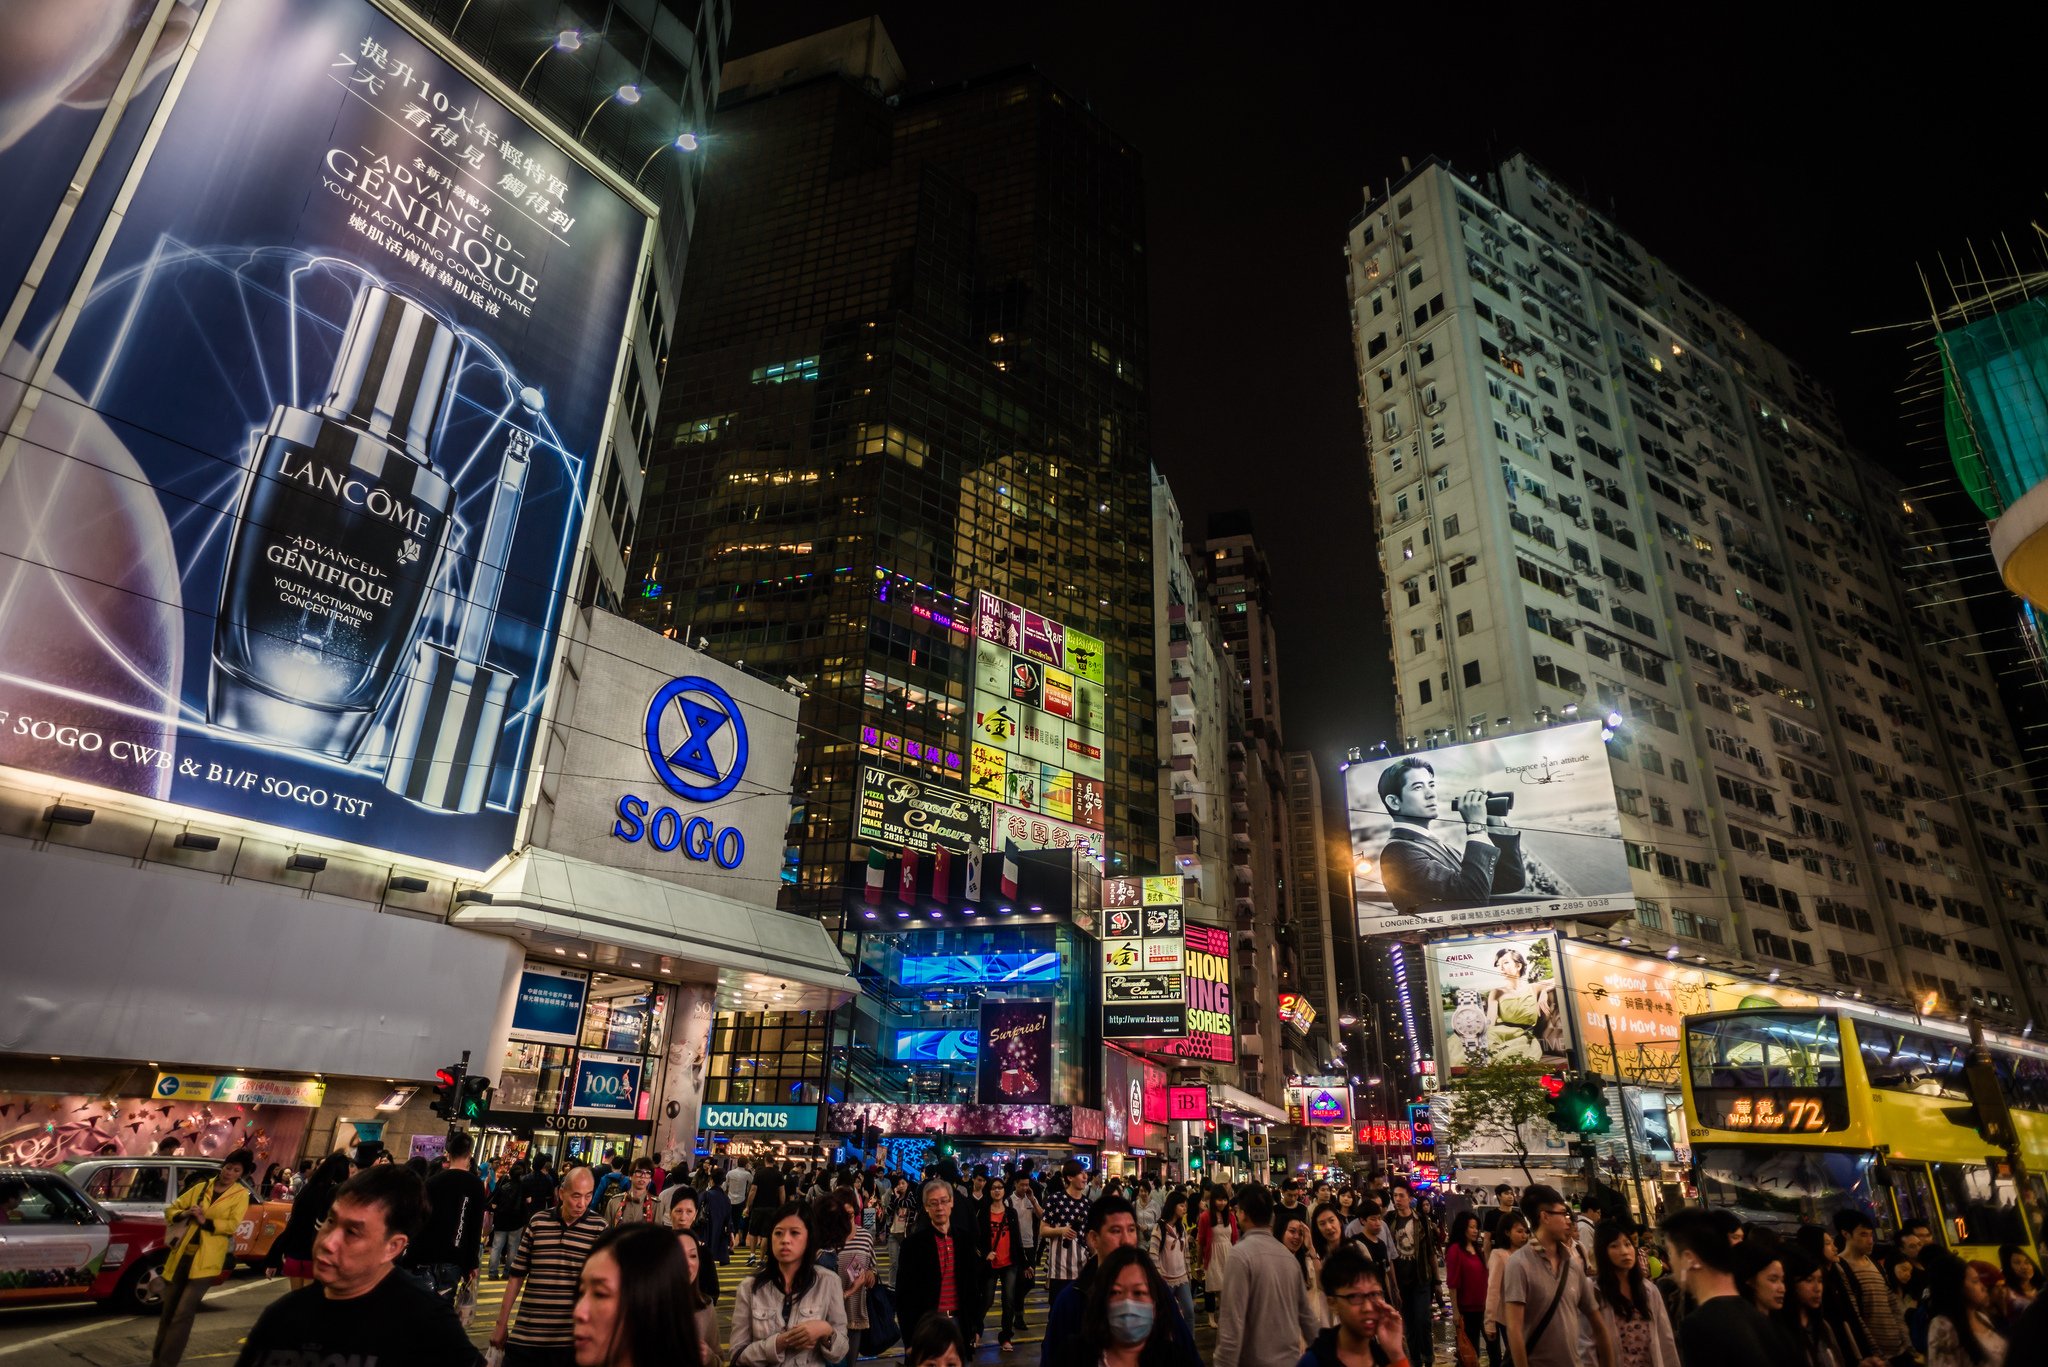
(1129, 1318)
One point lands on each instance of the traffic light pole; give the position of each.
(1628, 1131)
(1994, 1122)
(461, 1076)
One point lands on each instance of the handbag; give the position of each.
(882, 1333)
(1468, 1356)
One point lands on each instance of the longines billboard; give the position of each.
(286, 529)
(1521, 826)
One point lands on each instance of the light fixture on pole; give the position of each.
(683, 142)
(625, 94)
(568, 40)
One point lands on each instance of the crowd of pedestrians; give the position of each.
(627, 1265)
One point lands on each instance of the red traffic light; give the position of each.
(444, 1077)
(1553, 1086)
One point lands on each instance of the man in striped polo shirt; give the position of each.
(545, 1271)
(1066, 1215)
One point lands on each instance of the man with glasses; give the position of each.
(1546, 1296)
(1368, 1331)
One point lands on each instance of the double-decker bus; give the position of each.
(1797, 1113)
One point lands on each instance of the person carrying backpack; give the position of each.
(508, 1217)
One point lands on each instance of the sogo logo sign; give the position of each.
(706, 765)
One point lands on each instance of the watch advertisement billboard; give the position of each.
(288, 532)
(910, 813)
(1040, 710)
(1515, 827)
(1499, 1000)
(1014, 1064)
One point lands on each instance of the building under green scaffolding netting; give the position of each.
(1995, 403)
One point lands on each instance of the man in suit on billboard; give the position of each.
(1419, 869)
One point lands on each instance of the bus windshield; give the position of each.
(1754, 1049)
(1777, 1186)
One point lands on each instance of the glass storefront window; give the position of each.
(624, 1016)
(534, 1077)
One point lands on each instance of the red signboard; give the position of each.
(1187, 1103)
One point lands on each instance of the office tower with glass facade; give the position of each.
(1597, 490)
(910, 369)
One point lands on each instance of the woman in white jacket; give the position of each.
(792, 1313)
(1633, 1310)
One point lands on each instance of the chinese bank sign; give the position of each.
(1040, 710)
(287, 534)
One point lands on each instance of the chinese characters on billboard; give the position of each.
(1040, 712)
(1499, 1001)
(1644, 1000)
(1477, 834)
(287, 534)
(1144, 959)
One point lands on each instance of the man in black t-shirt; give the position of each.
(357, 1310)
(1723, 1329)
(445, 1253)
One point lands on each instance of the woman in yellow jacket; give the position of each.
(200, 1230)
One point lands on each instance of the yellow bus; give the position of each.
(1794, 1114)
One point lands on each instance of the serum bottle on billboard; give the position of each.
(338, 535)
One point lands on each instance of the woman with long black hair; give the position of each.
(1170, 1251)
(633, 1306)
(1126, 1321)
(791, 1313)
(1803, 1319)
(1959, 1328)
(1635, 1314)
(292, 1250)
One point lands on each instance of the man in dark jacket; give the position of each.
(1419, 869)
(445, 1254)
(945, 1267)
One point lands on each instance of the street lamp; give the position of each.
(625, 94)
(568, 40)
(684, 142)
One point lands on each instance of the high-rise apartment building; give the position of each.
(1194, 779)
(1597, 490)
(1310, 932)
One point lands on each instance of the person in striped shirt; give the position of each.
(1066, 1215)
(544, 1277)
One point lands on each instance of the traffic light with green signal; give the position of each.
(1579, 1107)
(476, 1097)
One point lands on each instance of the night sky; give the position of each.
(1797, 175)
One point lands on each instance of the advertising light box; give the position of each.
(549, 1008)
(288, 533)
(1548, 844)
(1014, 1066)
(1040, 711)
(938, 1046)
(910, 813)
(1021, 966)
(1500, 1000)
(1187, 1103)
